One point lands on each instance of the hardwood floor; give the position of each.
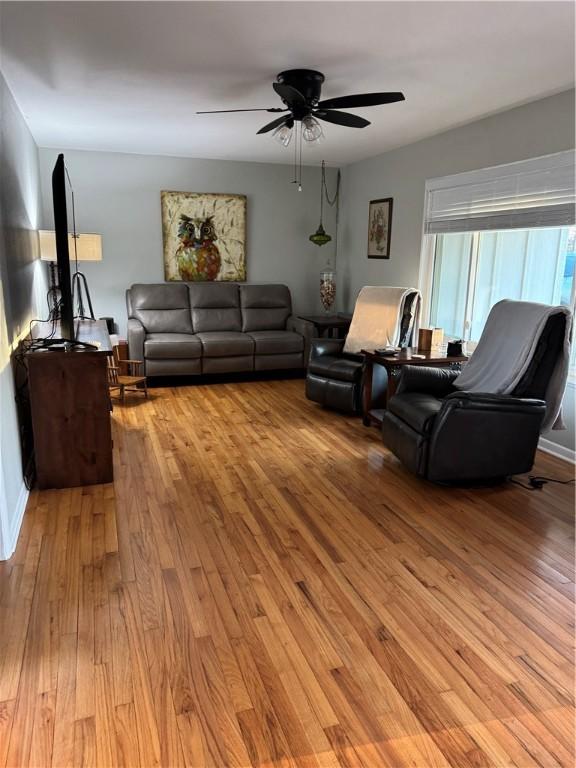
(264, 585)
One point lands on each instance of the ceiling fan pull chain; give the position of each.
(300, 163)
(322, 187)
(334, 200)
(295, 179)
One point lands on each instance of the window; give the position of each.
(473, 270)
(507, 232)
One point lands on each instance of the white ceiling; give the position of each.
(129, 76)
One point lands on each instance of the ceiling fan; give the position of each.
(300, 91)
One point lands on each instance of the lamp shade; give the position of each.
(84, 247)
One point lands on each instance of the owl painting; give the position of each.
(198, 257)
(204, 236)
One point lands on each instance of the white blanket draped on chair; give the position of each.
(377, 318)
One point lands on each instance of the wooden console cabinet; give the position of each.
(70, 406)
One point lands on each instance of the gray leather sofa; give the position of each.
(202, 328)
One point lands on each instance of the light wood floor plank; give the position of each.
(265, 586)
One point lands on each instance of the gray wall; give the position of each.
(539, 128)
(118, 196)
(22, 285)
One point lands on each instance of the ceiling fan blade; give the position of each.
(285, 119)
(219, 111)
(341, 118)
(288, 94)
(361, 100)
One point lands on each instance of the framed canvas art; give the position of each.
(204, 236)
(379, 228)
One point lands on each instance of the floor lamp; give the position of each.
(81, 247)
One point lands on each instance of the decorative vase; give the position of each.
(327, 290)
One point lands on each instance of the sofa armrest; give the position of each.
(136, 336)
(305, 329)
(432, 381)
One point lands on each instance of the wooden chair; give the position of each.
(125, 375)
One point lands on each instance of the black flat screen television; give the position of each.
(62, 254)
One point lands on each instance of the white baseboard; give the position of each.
(560, 451)
(12, 529)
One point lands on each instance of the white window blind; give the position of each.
(530, 194)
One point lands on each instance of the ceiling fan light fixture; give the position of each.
(312, 130)
(283, 135)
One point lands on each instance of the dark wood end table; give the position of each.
(70, 408)
(393, 365)
(334, 326)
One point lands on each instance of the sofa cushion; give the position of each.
(265, 307)
(226, 344)
(215, 307)
(219, 365)
(277, 342)
(172, 346)
(181, 367)
(161, 307)
(336, 367)
(417, 409)
(287, 362)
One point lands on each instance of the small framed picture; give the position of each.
(379, 228)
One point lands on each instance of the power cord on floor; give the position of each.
(537, 482)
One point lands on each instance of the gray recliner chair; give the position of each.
(334, 378)
(447, 435)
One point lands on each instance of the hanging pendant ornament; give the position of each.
(321, 237)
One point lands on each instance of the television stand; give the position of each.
(70, 405)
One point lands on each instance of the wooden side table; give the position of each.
(334, 326)
(393, 367)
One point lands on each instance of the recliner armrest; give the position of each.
(136, 336)
(492, 402)
(432, 381)
(479, 435)
(321, 347)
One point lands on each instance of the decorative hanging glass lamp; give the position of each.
(321, 237)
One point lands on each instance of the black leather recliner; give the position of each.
(451, 436)
(334, 378)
